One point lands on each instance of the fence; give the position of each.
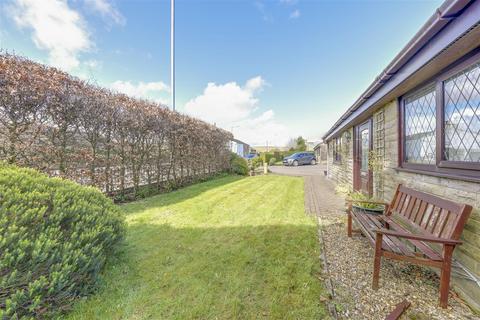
(64, 126)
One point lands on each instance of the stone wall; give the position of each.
(385, 141)
(342, 172)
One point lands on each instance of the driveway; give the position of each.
(320, 197)
(302, 171)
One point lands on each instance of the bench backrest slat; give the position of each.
(429, 214)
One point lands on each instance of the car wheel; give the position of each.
(295, 163)
(313, 162)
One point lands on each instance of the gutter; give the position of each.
(447, 12)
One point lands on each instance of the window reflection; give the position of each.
(420, 127)
(365, 149)
(462, 116)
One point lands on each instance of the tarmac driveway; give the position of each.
(302, 171)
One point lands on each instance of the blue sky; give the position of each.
(271, 70)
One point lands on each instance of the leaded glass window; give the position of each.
(451, 104)
(337, 149)
(420, 127)
(462, 116)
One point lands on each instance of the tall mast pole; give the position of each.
(172, 53)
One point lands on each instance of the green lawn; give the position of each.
(230, 248)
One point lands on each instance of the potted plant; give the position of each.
(360, 205)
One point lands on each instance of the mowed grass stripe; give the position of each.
(183, 201)
(225, 249)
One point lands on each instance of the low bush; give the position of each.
(257, 162)
(238, 165)
(267, 156)
(344, 189)
(278, 155)
(146, 191)
(55, 237)
(272, 161)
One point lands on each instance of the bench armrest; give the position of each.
(367, 201)
(411, 236)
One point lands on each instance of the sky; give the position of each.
(267, 70)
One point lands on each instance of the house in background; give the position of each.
(419, 122)
(240, 148)
(270, 148)
(311, 145)
(320, 150)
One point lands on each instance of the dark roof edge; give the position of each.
(446, 13)
(239, 141)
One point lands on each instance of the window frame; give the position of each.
(410, 165)
(337, 146)
(441, 167)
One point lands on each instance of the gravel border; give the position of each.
(350, 263)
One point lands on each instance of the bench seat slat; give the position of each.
(402, 248)
(365, 227)
(368, 222)
(425, 249)
(394, 243)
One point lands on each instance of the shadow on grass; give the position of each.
(212, 273)
(180, 194)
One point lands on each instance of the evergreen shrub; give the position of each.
(238, 165)
(55, 237)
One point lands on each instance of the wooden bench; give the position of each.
(416, 227)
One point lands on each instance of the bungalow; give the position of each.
(240, 148)
(320, 150)
(418, 124)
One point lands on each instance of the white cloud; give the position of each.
(147, 90)
(295, 14)
(226, 103)
(262, 129)
(266, 15)
(255, 84)
(107, 10)
(231, 105)
(55, 27)
(88, 70)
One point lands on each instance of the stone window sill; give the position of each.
(439, 174)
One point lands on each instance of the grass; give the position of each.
(230, 248)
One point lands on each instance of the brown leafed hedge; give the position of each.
(64, 126)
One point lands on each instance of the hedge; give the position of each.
(278, 155)
(55, 237)
(64, 126)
